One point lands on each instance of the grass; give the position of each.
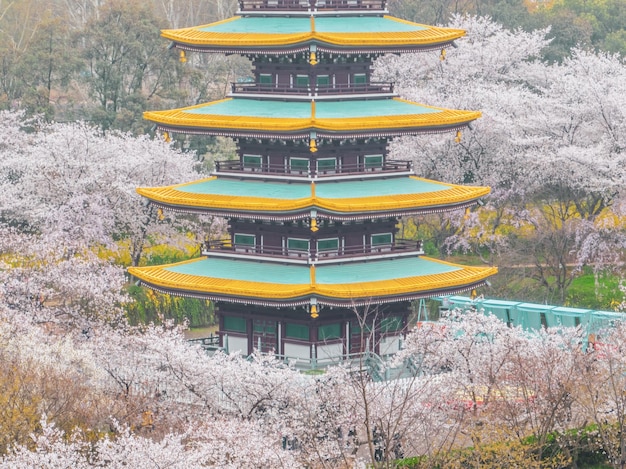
(584, 293)
(588, 290)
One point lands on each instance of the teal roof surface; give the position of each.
(376, 187)
(297, 25)
(300, 190)
(273, 190)
(249, 271)
(287, 274)
(302, 109)
(379, 270)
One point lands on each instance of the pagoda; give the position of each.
(313, 258)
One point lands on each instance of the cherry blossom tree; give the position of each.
(76, 187)
(550, 144)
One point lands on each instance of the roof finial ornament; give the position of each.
(313, 55)
(313, 310)
(313, 137)
(314, 227)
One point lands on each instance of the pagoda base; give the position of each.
(338, 334)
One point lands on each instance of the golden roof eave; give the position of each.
(198, 39)
(161, 278)
(178, 119)
(171, 196)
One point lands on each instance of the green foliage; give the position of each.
(126, 63)
(596, 24)
(578, 447)
(151, 307)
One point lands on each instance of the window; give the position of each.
(355, 328)
(264, 327)
(252, 161)
(297, 244)
(297, 331)
(302, 80)
(391, 324)
(299, 164)
(330, 244)
(373, 161)
(265, 78)
(381, 239)
(359, 79)
(326, 164)
(322, 80)
(234, 324)
(245, 239)
(329, 331)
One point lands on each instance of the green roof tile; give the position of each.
(285, 274)
(379, 270)
(377, 187)
(255, 108)
(248, 271)
(297, 25)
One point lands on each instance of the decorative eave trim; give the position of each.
(321, 47)
(306, 213)
(321, 301)
(259, 134)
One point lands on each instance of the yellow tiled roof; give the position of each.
(239, 114)
(249, 196)
(427, 275)
(347, 31)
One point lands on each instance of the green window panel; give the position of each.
(252, 161)
(373, 161)
(359, 79)
(296, 244)
(381, 238)
(297, 331)
(265, 328)
(330, 244)
(234, 324)
(327, 164)
(322, 80)
(265, 79)
(302, 80)
(245, 239)
(299, 164)
(356, 329)
(391, 324)
(329, 332)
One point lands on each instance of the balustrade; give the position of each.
(388, 166)
(319, 90)
(311, 5)
(345, 252)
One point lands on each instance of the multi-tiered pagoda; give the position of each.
(313, 201)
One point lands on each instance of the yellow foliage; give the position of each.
(504, 453)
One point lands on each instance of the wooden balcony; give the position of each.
(311, 5)
(237, 166)
(318, 91)
(226, 248)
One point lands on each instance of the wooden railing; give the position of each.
(319, 90)
(311, 5)
(399, 246)
(388, 166)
